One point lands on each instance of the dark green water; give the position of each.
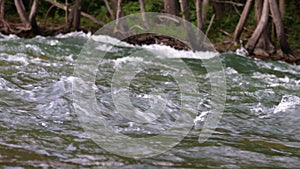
(39, 126)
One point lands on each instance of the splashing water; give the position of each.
(38, 126)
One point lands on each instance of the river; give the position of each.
(39, 126)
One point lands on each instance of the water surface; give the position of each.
(39, 127)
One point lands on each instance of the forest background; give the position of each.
(269, 28)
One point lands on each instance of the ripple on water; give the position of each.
(39, 127)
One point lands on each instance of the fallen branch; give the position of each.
(210, 23)
(90, 17)
(47, 13)
(109, 9)
(162, 17)
(236, 10)
(225, 33)
(230, 2)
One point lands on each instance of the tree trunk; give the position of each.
(118, 15)
(76, 13)
(74, 17)
(142, 6)
(279, 27)
(69, 22)
(258, 7)
(199, 23)
(185, 10)
(114, 5)
(242, 21)
(199, 16)
(122, 25)
(33, 10)
(171, 7)
(2, 10)
(205, 4)
(32, 17)
(109, 10)
(22, 14)
(187, 25)
(264, 46)
(259, 28)
(219, 9)
(282, 8)
(4, 26)
(67, 11)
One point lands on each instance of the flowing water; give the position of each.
(39, 126)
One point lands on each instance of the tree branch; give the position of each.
(230, 2)
(242, 21)
(90, 17)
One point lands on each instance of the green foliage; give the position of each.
(227, 22)
(292, 22)
(131, 7)
(154, 5)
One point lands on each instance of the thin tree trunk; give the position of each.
(185, 10)
(199, 23)
(2, 10)
(171, 7)
(21, 11)
(264, 45)
(109, 10)
(4, 26)
(142, 6)
(187, 25)
(259, 28)
(115, 6)
(242, 21)
(284, 45)
(74, 17)
(118, 15)
(32, 17)
(199, 16)
(67, 11)
(282, 7)
(70, 19)
(33, 10)
(205, 4)
(219, 9)
(122, 25)
(76, 14)
(258, 7)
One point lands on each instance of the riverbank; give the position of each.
(221, 45)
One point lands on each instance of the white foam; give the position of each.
(168, 52)
(274, 81)
(107, 48)
(3, 83)
(74, 34)
(35, 49)
(19, 57)
(120, 61)
(161, 51)
(110, 40)
(287, 102)
(10, 37)
(231, 71)
(53, 42)
(200, 118)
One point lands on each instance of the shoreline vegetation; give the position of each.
(270, 29)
